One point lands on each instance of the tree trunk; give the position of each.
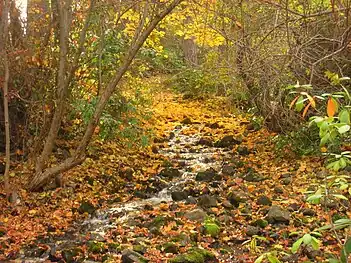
(4, 25)
(62, 89)
(40, 179)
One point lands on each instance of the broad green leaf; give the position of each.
(315, 243)
(299, 104)
(344, 116)
(295, 247)
(343, 129)
(307, 238)
(313, 198)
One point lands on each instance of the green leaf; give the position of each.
(299, 105)
(343, 129)
(341, 197)
(315, 243)
(347, 246)
(307, 238)
(260, 259)
(272, 258)
(325, 139)
(313, 198)
(344, 116)
(295, 247)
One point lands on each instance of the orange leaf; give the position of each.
(306, 109)
(293, 102)
(332, 107)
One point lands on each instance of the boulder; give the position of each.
(276, 214)
(264, 200)
(196, 215)
(227, 141)
(86, 207)
(208, 175)
(243, 150)
(170, 172)
(228, 169)
(130, 256)
(179, 195)
(252, 230)
(186, 121)
(205, 141)
(206, 201)
(235, 198)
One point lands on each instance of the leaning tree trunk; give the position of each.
(62, 88)
(4, 27)
(64, 77)
(40, 179)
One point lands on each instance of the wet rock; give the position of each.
(308, 212)
(205, 142)
(196, 215)
(170, 247)
(264, 200)
(157, 222)
(96, 247)
(278, 190)
(214, 125)
(229, 169)
(294, 207)
(148, 207)
(154, 149)
(70, 254)
(195, 255)
(252, 230)
(208, 175)
(97, 237)
(140, 194)
(207, 201)
(179, 195)
(311, 253)
(287, 181)
(262, 223)
(170, 173)
(160, 140)
(235, 198)
(227, 141)
(186, 121)
(227, 204)
(253, 176)
(50, 228)
(322, 174)
(130, 256)
(139, 248)
(171, 135)
(86, 207)
(243, 150)
(276, 214)
(191, 200)
(211, 228)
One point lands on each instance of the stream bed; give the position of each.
(192, 154)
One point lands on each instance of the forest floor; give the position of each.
(211, 188)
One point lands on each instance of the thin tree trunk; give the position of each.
(3, 40)
(62, 90)
(79, 156)
(65, 76)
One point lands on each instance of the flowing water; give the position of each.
(182, 148)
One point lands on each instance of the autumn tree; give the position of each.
(150, 16)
